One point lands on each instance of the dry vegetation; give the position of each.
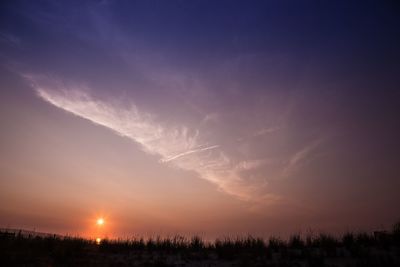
(352, 249)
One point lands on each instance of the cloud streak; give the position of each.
(301, 156)
(178, 146)
(188, 153)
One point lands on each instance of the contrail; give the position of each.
(188, 153)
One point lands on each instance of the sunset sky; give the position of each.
(199, 117)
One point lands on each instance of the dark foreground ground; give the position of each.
(361, 249)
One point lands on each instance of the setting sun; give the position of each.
(100, 221)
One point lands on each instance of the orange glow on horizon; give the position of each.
(99, 225)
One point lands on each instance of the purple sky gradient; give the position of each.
(199, 117)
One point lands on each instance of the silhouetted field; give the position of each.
(352, 249)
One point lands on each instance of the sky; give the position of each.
(213, 118)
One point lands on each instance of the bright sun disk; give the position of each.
(100, 221)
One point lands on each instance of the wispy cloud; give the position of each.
(130, 122)
(250, 164)
(178, 146)
(266, 130)
(301, 156)
(260, 132)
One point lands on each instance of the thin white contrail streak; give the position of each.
(188, 153)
